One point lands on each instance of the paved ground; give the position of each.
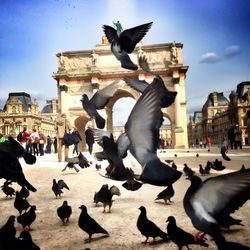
(48, 232)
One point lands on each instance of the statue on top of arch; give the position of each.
(118, 27)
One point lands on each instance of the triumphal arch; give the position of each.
(87, 71)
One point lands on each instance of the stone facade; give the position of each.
(89, 70)
(219, 113)
(20, 111)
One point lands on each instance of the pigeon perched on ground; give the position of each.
(209, 202)
(98, 101)
(27, 242)
(217, 165)
(27, 218)
(7, 231)
(180, 237)
(9, 191)
(20, 204)
(148, 228)
(197, 155)
(174, 166)
(202, 170)
(124, 44)
(223, 152)
(24, 192)
(166, 194)
(208, 167)
(142, 130)
(175, 155)
(58, 186)
(64, 212)
(98, 166)
(10, 167)
(105, 195)
(88, 224)
(188, 171)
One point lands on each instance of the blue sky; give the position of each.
(215, 34)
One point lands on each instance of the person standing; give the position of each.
(63, 126)
(42, 140)
(238, 137)
(48, 146)
(78, 139)
(89, 137)
(55, 145)
(35, 141)
(231, 136)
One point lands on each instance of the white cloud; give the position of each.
(232, 51)
(209, 57)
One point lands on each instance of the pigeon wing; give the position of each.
(130, 37)
(142, 125)
(102, 96)
(110, 33)
(222, 194)
(62, 184)
(123, 144)
(136, 84)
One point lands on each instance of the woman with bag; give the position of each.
(63, 126)
(35, 141)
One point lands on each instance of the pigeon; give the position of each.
(228, 221)
(197, 155)
(81, 160)
(217, 165)
(148, 228)
(98, 166)
(166, 97)
(201, 170)
(131, 184)
(166, 194)
(10, 168)
(88, 224)
(174, 166)
(105, 195)
(24, 192)
(168, 161)
(180, 237)
(27, 218)
(223, 152)
(142, 130)
(175, 155)
(58, 186)
(21, 204)
(9, 191)
(98, 101)
(206, 203)
(188, 171)
(64, 212)
(124, 44)
(208, 167)
(27, 242)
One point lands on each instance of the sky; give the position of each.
(215, 35)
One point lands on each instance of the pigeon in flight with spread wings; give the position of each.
(211, 202)
(167, 97)
(142, 129)
(124, 44)
(98, 101)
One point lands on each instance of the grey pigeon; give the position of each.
(124, 44)
(206, 203)
(89, 225)
(148, 228)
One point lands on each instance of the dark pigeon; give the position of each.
(58, 186)
(142, 130)
(27, 242)
(98, 166)
(21, 204)
(105, 195)
(207, 202)
(202, 170)
(98, 101)
(9, 191)
(24, 192)
(148, 228)
(180, 237)
(223, 152)
(88, 224)
(27, 218)
(64, 212)
(208, 167)
(197, 155)
(217, 165)
(174, 166)
(124, 44)
(166, 194)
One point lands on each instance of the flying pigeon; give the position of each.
(124, 44)
(58, 186)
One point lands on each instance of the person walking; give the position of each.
(63, 126)
(231, 136)
(42, 140)
(238, 137)
(78, 139)
(55, 144)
